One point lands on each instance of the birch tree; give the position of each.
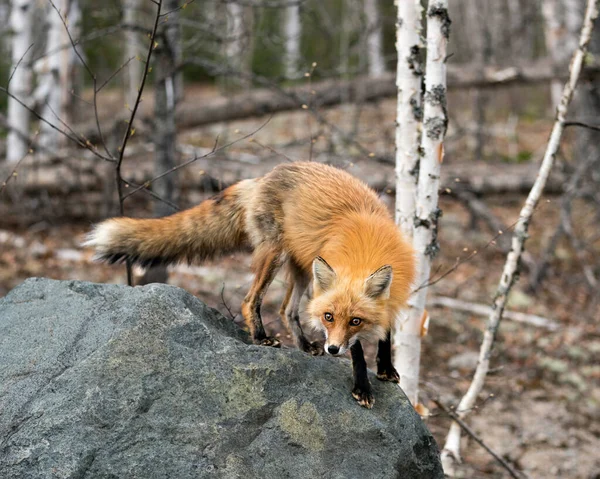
(240, 20)
(21, 21)
(375, 57)
(426, 211)
(133, 49)
(562, 21)
(292, 41)
(55, 70)
(451, 451)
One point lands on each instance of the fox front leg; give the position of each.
(362, 387)
(385, 368)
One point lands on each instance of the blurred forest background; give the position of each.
(235, 87)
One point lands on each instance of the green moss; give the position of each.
(245, 391)
(303, 424)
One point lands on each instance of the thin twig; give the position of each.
(196, 158)
(182, 6)
(91, 74)
(17, 65)
(583, 125)
(87, 145)
(231, 315)
(478, 440)
(118, 177)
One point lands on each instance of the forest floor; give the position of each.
(540, 407)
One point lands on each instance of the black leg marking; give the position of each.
(362, 388)
(385, 368)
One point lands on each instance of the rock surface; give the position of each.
(107, 381)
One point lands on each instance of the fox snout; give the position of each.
(335, 350)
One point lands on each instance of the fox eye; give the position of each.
(355, 321)
(328, 317)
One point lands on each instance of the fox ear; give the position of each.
(323, 274)
(377, 286)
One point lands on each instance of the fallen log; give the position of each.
(327, 93)
(78, 188)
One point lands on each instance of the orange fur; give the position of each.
(294, 214)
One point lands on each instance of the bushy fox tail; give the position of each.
(214, 227)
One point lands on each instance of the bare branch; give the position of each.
(128, 132)
(478, 440)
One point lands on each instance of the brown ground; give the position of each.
(541, 406)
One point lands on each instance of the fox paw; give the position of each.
(314, 349)
(364, 398)
(272, 342)
(390, 374)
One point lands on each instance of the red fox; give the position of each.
(316, 221)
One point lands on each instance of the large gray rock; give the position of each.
(106, 381)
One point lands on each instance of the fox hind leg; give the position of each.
(299, 282)
(385, 368)
(266, 263)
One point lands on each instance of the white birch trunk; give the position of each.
(55, 71)
(21, 21)
(451, 451)
(292, 41)
(562, 22)
(426, 213)
(375, 57)
(133, 49)
(239, 46)
(409, 74)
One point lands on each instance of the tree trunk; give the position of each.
(562, 20)
(293, 35)
(409, 76)
(435, 122)
(55, 72)
(375, 57)
(239, 47)
(133, 49)
(21, 21)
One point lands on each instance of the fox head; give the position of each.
(348, 308)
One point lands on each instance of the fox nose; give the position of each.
(333, 349)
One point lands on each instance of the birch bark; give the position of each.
(451, 451)
(562, 21)
(240, 23)
(55, 71)
(133, 49)
(21, 21)
(292, 41)
(426, 211)
(375, 57)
